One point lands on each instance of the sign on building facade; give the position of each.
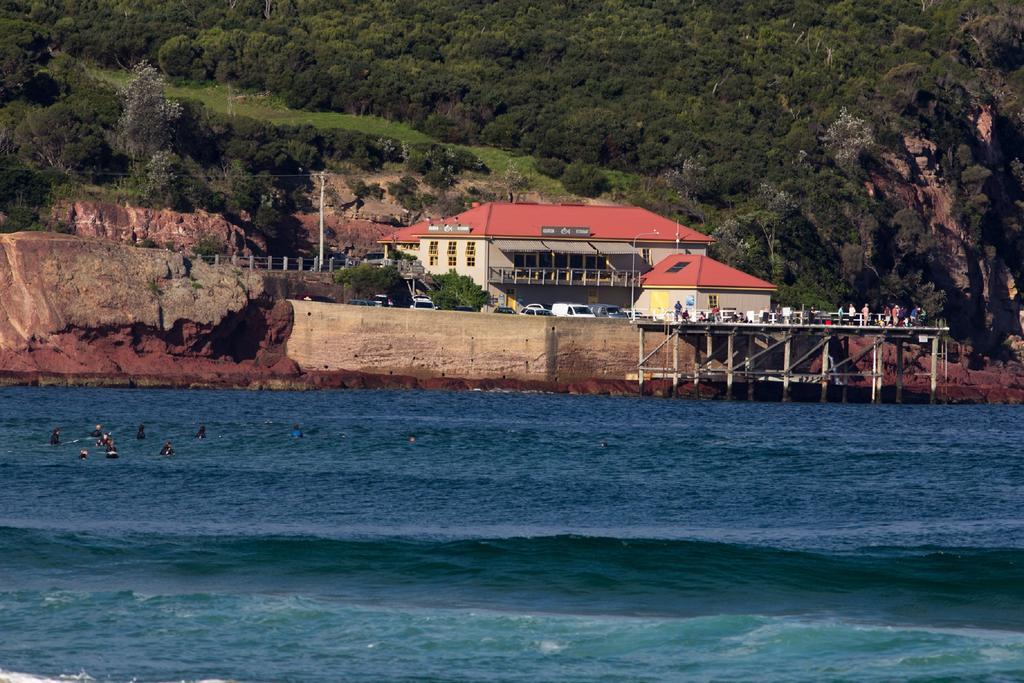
(564, 231)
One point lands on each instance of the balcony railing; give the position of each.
(591, 277)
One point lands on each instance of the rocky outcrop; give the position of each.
(359, 236)
(982, 301)
(76, 306)
(159, 227)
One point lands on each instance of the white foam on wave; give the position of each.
(550, 647)
(17, 677)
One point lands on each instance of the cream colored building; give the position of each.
(540, 253)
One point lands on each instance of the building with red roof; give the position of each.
(543, 253)
(701, 283)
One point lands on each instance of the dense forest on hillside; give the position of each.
(849, 150)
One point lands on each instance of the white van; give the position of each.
(572, 311)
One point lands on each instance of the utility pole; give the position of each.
(323, 182)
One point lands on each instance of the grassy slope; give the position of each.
(266, 108)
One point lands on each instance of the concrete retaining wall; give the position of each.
(454, 344)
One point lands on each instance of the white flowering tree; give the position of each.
(847, 138)
(147, 117)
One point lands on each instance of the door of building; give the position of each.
(510, 298)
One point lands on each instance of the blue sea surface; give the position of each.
(520, 537)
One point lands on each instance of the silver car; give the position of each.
(608, 311)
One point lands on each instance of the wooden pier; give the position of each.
(784, 353)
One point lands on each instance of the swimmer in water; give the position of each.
(83, 454)
(412, 438)
(98, 432)
(141, 434)
(55, 437)
(296, 432)
(167, 450)
(201, 434)
(111, 448)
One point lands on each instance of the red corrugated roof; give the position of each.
(688, 270)
(499, 219)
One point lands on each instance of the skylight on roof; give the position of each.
(677, 267)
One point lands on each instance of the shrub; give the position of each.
(551, 167)
(208, 245)
(584, 179)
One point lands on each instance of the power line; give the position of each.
(118, 174)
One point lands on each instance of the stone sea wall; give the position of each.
(422, 343)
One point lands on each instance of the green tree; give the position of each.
(458, 290)
(366, 280)
(177, 57)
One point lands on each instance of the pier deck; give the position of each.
(787, 353)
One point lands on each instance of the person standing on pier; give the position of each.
(679, 311)
(865, 315)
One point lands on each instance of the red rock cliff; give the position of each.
(164, 227)
(70, 305)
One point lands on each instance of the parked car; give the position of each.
(536, 311)
(505, 310)
(464, 309)
(427, 305)
(420, 297)
(383, 299)
(360, 302)
(565, 310)
(375, 258)
(608, 311)
(535, 307)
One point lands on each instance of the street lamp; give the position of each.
(632, 279)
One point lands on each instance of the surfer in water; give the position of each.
(167, 450)
(111, 448)
(201, 434)
(55, 437)
(83, 454)
(141, 434)
(296, 432)
(98, 432)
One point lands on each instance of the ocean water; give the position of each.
(521, 537)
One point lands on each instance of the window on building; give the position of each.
(470, 254)
(453, 253)
(712, 301)
(432, 252)
(645, 254)
(524, 260)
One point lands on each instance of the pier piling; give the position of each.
(785, 353)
